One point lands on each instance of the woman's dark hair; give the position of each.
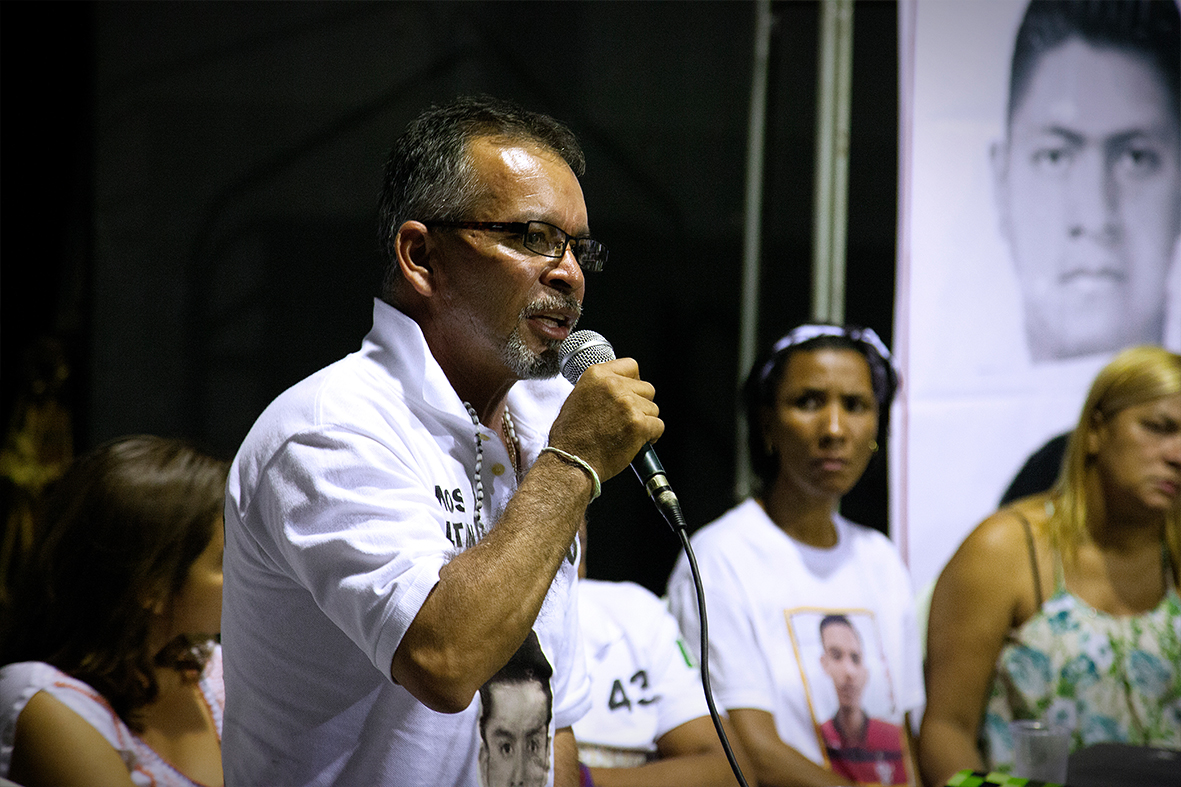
(121, 529)
(763, 382)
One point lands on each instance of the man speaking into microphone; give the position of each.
(400, 522)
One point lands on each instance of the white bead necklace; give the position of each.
(514, 448)
(513, 452)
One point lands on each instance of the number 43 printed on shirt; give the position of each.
(638, 685)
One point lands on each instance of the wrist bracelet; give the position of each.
(580, 462)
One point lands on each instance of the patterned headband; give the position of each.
(806, 333)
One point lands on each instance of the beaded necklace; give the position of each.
(514, 451)
(514, 448)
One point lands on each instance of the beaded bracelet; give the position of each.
(580, 462)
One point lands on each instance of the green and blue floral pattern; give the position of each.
(1107, 678)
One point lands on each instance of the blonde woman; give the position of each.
(1064, 605)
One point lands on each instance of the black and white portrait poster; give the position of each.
(1040, 209)
(516, 721)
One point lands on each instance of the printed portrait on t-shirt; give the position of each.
(516, 707)
(847, 680)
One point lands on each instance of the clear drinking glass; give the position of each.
(1040, 750)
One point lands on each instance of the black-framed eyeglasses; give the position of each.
(542, 238)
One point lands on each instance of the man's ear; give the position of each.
(415, 249)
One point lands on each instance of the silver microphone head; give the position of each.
(583, 349)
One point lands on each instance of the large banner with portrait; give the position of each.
(1040, 212)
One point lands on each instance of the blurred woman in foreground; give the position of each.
(111, 673)
(1064, 606)
(814, 649)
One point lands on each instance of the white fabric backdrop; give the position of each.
(973, 406)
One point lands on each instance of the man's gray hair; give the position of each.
(428, 174)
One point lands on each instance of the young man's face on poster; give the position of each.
(515, 746)
(843, 660)
(1089, 194)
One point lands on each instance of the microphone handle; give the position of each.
(651, 474)
(583, 349)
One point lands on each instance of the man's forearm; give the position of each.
(488, 597)
(694, 770)
(565, 759)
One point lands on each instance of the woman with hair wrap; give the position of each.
(812, 703)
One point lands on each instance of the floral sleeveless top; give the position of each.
(1108, 678)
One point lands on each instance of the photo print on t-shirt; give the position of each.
(847, 681)
(516, 714)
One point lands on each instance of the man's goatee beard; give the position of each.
(520, 359)
(525, 364)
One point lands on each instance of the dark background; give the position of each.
(188, 196)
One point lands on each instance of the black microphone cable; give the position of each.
(680, 529)
(586, 348)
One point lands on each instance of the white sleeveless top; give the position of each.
(20, 681)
